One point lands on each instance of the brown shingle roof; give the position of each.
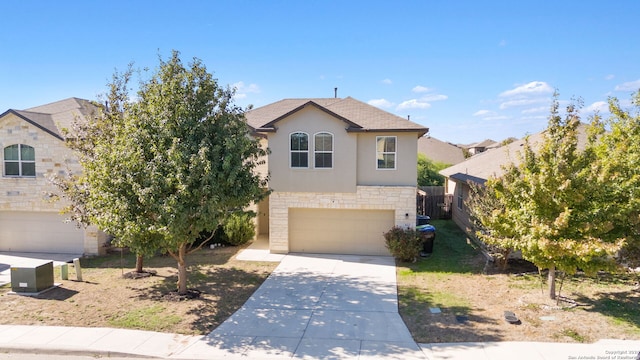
(357, 115)
(440, 151)
(56, 116)
(482, 166)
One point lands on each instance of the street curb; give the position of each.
(39, 350)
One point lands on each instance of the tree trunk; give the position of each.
(182, 270)
(552, 281)
(139, 263)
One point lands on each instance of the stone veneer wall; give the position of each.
(52, 158)
(402, 199)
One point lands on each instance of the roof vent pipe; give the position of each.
(335, 92)
(409, 117)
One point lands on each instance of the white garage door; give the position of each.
(39, 232)
(330, 231)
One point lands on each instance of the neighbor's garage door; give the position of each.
(330, 231)
(39, 232)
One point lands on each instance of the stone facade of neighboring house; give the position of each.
(342, 172)
(33, 149)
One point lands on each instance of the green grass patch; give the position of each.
(152, 318)
(452, 252)
(573, 334)
(411, 299)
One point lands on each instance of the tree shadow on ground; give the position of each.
(621, 307)
(222, 292)
(452, 324)
(122, 258)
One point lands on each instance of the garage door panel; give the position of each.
(39, 232)
(339, 231)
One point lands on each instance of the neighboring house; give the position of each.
(33, 149)
(479, 168)
(342, 172)
(440, 151)
(482, 146)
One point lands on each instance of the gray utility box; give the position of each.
(32, 278)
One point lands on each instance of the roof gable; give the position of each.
(271, 125)
(54, 117)
(42, 121)
(357, 115)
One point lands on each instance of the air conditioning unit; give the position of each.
(32, 278)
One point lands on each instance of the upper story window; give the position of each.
(323, 150)
(20, 161)
(299, 149)
(386, 152)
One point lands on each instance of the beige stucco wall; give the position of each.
(340, 178)
(52, 158)
(401, 199)
(459, 215)
(405, 174)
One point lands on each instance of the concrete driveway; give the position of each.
(22, 259)
(319, 306)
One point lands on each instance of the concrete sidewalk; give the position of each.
(105, 342)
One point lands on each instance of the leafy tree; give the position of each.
(175, 163)
(549, 205)
(84, 137)
(618, 151)
(428, 171)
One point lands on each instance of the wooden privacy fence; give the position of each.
(432, 201)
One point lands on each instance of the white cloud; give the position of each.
(420, 89)
(413, 104)
(599, 106)
(629, 86)
(434, 97)
(483, 113)
(522, 102)
(495, 118)
(387, 81)
(532, 88)
(609, 77)
(536, 110)
(242, 90)
(251, 88)
(381, 103)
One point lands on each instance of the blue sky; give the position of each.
(468, 70)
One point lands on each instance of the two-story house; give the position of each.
(33, 149)
(342, 173)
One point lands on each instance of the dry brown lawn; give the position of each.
(473, 298)
(106, 299)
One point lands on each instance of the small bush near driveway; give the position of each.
(404, 244)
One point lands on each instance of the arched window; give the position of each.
(299, 149)
(323, 150)
(19, 160)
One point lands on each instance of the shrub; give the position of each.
(239, 228)
(404, 244)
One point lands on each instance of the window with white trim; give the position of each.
(460, 196)
(386, 152)
(299, 150)
(323, 150)
(19, 161)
